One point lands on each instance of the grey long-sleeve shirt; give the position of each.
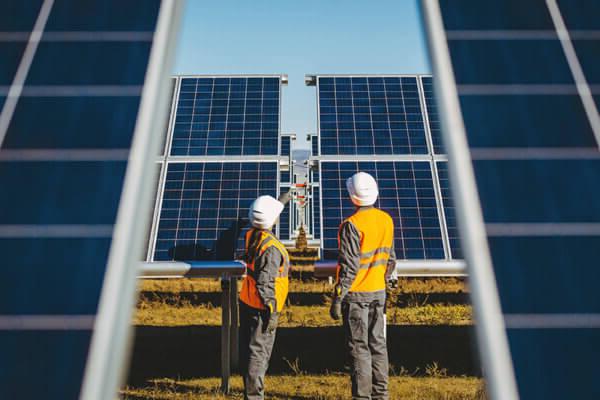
(349, 262)
(266, 269)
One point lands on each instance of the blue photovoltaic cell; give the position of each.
(449, 212)
(370, 115)
(286, 144)
(227, 116)
(316, 202)
(314, 145)
(284, 219)
(205, 208)
(49, 269)
(432, 115)
(538, 183)
(405, 192)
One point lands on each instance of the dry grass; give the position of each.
(161, 313)
(405, 285)
(318, 387)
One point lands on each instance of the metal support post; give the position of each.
(235, 327)
(225, 331)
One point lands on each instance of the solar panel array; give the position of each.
(203, 198)
(526, 76)
(218, 116)
(63, 157)
(387, 126)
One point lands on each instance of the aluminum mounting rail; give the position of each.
(406, 268)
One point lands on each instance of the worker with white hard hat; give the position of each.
(263, 294)
(366, 260)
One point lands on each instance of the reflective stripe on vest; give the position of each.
(376, 231)
(249, 293)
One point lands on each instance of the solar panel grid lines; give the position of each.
(369, 115)
(202, 206)
(228, 115)
(538, 222)
(406, 192)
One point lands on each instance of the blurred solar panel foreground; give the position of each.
(526, 78)
(71, 82)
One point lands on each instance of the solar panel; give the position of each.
(225, 115)
(532, 125)
(316, 211)
(405, 191)
(65, 141)
(284, 219)
(432, 115)
(370, 115)
(205, 207)
(449, 212)
(314, 145)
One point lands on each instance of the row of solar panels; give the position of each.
(203, 199)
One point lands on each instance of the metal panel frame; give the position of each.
(490, 329)
(110, 343)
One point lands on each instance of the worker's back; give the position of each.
(376, 232)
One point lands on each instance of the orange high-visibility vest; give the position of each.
(376, 230)
(249, 293)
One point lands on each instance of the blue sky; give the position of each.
(300, 37)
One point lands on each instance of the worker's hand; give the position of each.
(336, 309)
(272, 316)
(285, 198)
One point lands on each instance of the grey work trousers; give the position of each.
(256, 345)
(364, 329)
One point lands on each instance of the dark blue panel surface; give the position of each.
(314, 145)
(540, 198)
(71, 192)
(316, 206)
(122, 63)
(547, 274)
(286, 145)
(556, 363)
(57, 214)
(539, 191)
(284, 220)
(509, 62)
(498, 15)
(432, 115)
(59, 270)
(73, 122)
(55, 358)
(405, 192)
(580, 14)
(107, 15)
(370, 115)
(449, 212)
(227, 116)
(19, 15)
(507, 121)
(205, 208)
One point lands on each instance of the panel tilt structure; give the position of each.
(81, 89)
(386, 125)
(518, 96)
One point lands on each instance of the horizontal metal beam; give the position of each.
(192, 269)
(323, 269)
(406, 268)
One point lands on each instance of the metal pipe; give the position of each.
(192, 269)
(406, 268)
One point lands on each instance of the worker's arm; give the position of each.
(267, 268)
(348, 259)
(285, 198)
(390, 273)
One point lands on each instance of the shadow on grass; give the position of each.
(194, 351)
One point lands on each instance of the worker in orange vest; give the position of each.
(263, 294)
(366, 260)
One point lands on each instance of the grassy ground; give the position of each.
(406, 285)
(161, 313)
(168, 306)
(314, 387)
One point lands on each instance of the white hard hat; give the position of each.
(264, 211)
(362, 189)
